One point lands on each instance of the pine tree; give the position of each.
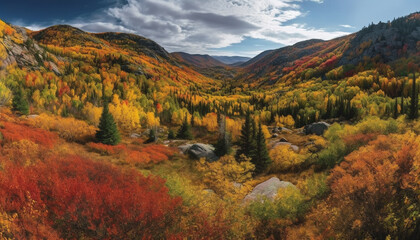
(261, 158)
(246, 140)
(152, 136)
(108, 131)
(19, 102)
(171, 134)
(185, 131)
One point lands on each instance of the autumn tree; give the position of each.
(20, 103)
(260, 158)
(108, 132)
(223, 145)
(184, 131)
(414, 112)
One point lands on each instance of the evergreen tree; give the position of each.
(246, 140)
(185, 131)
(260, 158)
(108, 131)
(152, 136)
(20, 103)
(171, 134)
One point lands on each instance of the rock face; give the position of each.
(199, 150)
(316, 128)
(267, 189)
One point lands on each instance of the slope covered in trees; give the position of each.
(92, 126)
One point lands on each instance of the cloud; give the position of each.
(346, 26)
(197, 26)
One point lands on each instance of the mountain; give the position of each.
(197, 60)
(133, 54)
(232, 60)
(382, 43)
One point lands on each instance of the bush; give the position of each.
(285, 159)
(83, 199)
(68, 128)
(345, 139)
(13, 132)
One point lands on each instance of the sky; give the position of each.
(215, 27)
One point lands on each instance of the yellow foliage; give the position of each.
(7, 225)
(68, 128)
(92, 113)
(222, 175)
(284, 121)
(284, 158)
(152, 120)
(125, 115)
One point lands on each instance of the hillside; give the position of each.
(382, 43)
(109, 136)
(197, 60)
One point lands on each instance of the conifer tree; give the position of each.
(261, 158)
(171, 134)
(108, 132)
(19, 102)
(185, 131)
(246, 141)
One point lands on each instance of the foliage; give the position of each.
(68, 128)
(81, 198)
(108, 132)
(221, 176)
(285, 159)
(184, 131)
(374, 192)
(345, 139)
(13, 132)
(5, 94)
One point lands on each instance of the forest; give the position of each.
(108, 136)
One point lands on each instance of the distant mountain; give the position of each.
(382, 43)
(197, 60)
(232, 60)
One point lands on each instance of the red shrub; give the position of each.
(106, 149)
(81, 198)
(15, 132)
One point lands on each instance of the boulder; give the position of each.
(267, 189)
(275, 135)
(283, 140)
(199, 150)
(135, 135)
(316, 128)
(293, 147)
(32, 116)
(283, 129)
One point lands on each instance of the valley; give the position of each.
(110, 136)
